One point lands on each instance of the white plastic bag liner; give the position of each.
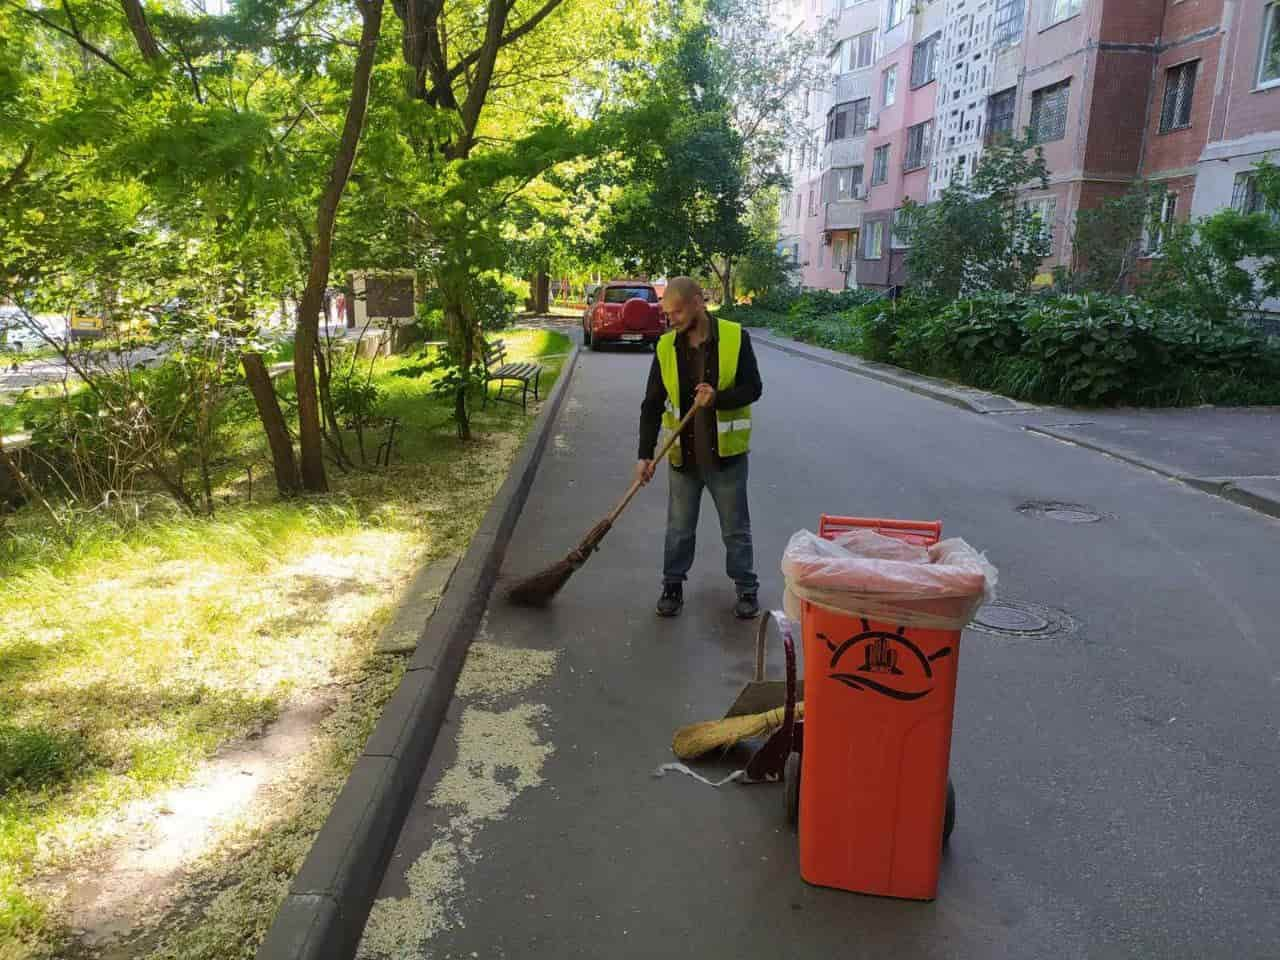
(934, 588)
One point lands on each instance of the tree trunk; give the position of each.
(264, 395)
(141, 30)
(310, 433)
(541, 293)
(726, 284)
(462, 342)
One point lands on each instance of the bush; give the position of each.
(1049, 348)
(968, 336)
(778, 300)
(1108, 350)
(750, 315)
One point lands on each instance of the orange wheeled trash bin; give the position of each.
(875, 802)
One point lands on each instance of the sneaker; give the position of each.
(671, 601)
(747, 607)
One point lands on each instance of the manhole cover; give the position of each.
(1023, 621)
(1062, 512)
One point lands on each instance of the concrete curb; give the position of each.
(329, 900)
(1237, 491)
(975, 401)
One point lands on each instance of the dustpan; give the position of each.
(760, 694)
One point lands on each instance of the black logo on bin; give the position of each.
(885, 663)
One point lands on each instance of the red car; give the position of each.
(623, 311)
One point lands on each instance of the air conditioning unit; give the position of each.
(873, 121)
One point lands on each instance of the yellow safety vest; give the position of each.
(734, 426)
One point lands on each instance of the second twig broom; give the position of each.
(697, 739)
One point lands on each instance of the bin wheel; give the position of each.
(949, 819)
(791, 788)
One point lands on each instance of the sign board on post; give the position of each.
(385, 302)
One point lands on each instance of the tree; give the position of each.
(209, 138)
(1225, 266)
(306, 346)
(978, 235)
(761, 70)
(1107, 243)
(497, 81)
(764, 269)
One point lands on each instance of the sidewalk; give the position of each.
(1231, 452)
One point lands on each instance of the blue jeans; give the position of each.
(728, 488)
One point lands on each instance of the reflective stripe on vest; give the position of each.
(733, 426)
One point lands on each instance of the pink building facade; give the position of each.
(1184, 93)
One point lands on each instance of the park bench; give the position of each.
(499, 370)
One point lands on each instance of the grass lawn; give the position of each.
(129, 656)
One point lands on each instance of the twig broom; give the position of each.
(697, 739)
(539, 589)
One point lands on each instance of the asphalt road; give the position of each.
(1119, 782)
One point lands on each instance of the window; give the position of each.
(1161, 221)
(873, 243)
(1009, 22)
(1001, 109)
(880, 166)
(924, 61)
(866, 49)
(897, 12)
(918, 145)
(1179, 90)
(898, 235)
(837, 255)
(889, 87)
(848, 120)
(813, 206)
(855, 53)
(1049, 112)
(795, 253)
(1269, 60)
(1044, 210)
(623, 294)
(1060, 10)
(861, 113)
(1246, 198)
(845, 183)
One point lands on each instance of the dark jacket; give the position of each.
(747, 389)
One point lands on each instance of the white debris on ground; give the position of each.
(492, 671)
(501, 754)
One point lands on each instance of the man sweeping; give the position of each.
(708, 365)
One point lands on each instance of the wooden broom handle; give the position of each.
(666, 448)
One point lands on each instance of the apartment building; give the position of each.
(1185, 93)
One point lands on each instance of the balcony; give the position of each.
(844, 215)
(852, 86)
(845, 153)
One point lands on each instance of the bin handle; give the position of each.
(762, 635)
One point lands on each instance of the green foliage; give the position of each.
(978, 235)
(1107, 242)
(763, 269)
(1224, 266)
(777, 300)
(1072, 350)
